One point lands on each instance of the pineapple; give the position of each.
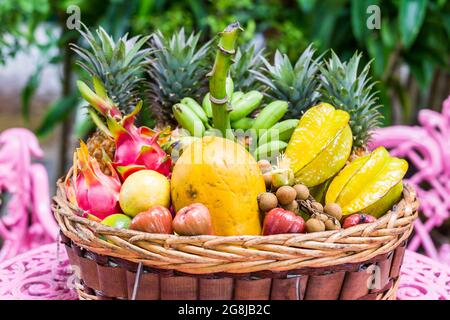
(247, 60)
(102, 148)
(177, 69)
(119, 66)
(346, 89)
(296, 84)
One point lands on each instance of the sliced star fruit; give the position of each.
(320, 145)
(371, 184)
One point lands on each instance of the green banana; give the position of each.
(269, 150)
(280, 131)
(194, 106)
(236, 97)
(243, 123)
(270, 115)
(244, 106)
(206, 105)
(188, 119)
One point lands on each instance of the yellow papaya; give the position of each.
(320, 145)
(370, 184)
(224, 177)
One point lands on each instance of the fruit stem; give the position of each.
(218, 75)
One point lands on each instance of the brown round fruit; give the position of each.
(267, 201)
(267, 179)
(330, 225)
(314, 225)
(333, 209)
(317, 205)
(322, 217)
(302, 191)
(293, 207)
(264, 166)
(286, 195)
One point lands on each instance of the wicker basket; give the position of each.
(127, 264)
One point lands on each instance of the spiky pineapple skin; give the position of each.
(177, 68)
(298, 84)
(358, 153)
(98, 143)
(346, 89)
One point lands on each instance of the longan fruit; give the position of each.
(286, 195)
(317, 205)
(267, 201)
(333, 209)
(293, 206)
(314, 225)
(302, 191)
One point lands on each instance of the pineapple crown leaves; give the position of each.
(118, 64)
(247, 60)
(346, 89)
(298, 84)
(177, 68)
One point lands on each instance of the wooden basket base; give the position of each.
(106, 278)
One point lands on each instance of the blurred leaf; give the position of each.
(306, 5)
(143, 12)
(385, 102)
(423, 73)
(324, 28)
(388, 34)
(19, 20)
(57, 112)
(83, 122)
(117, 17)
(378, 54)
(28, 92)
(411, 15)
(199, 11)
(446, 19)
(403, 97)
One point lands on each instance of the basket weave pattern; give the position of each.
(319, 256)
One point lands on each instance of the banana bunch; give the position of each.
(268, 135)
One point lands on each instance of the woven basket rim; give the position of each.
(241, 254)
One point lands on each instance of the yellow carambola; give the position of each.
(320, 145)
(370, 184)
(224, 177)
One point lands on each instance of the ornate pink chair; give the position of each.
(27, 220)
(427, 148)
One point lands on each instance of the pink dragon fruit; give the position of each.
(136, 148)
(90, 189)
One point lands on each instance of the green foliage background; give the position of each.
(414, 33)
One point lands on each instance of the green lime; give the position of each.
(118, 220)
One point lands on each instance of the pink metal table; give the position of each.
(44, 273)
